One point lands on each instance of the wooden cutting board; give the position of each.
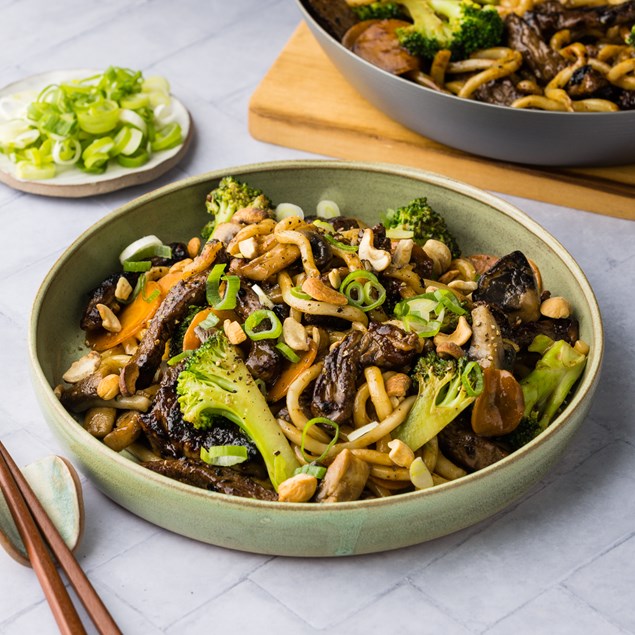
(304, 103)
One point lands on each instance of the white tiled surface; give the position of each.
(559, 562)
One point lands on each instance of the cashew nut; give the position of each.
(378, 258)
(402, 252)
(400, 453)
(297, 489)
(449, 349)
(108, 319)
(248, 247)
(397, 385)
(460, 336)
(294, 335)
(234, 332)
(82, 368)
(123, 289)
(556, 307)
(108, 387)
(440, 254)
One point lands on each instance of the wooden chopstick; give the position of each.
(29, 514)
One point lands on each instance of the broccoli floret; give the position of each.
(379, 11)
(215, 381)
(630, 38)
(418, 217)
(226, 199)
(446, 387)
(462, 26)
(546, 387)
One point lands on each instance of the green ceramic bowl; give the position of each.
(483, 222)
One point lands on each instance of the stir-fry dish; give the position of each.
(559, 55)
(304, 356)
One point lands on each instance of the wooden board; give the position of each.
(304, 103)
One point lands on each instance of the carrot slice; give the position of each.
(132, 318)
(191, 339)
(291, 372)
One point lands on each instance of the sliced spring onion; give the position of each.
(140, 248)
(399, 234)
(167, 137)
(67, 152)
(137, 266)
(318, 471)
(134, 160)
(265, 300)
(173, 361)
(472, 379)
(339, 244)
(256, 319)
(327, 227)
(134, 119)
(224, 455)
(127, 141)
(232, 285)
(360, 432)
(328, 209)
(209, 322)
(363, 290)
(297, 292)
(420, 475)
(309, 424)
(288, 352)
(284, 210)
(80, 113)
(26, 170)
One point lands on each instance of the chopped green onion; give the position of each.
(134, 160)
(210, 321)
(288, 352)
(146, 247)
(318, 471)
(399, 234)
(224, 455)
(360, 432)
(26, 170)
(232, 286)
(265, 300)
(328, 209)
(310, 423)
(327, 227)
(284, 210)
(137, 266)
(173, 361)
(366, 295)
(297, 292)
(99, 117)
(167, 137)
(472, 379)
(257, 318)
(339, 244)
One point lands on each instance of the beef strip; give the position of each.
(335, 387)
(263, 360)
(538, 56)
(383, 345)
(140, 370)
(586, 82)
(334, 16)
(551, 16)
(510, 286)
(463, 446)
(217, 479)
(388, 346)
(502, 92)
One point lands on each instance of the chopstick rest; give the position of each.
(56, 485)
(37, 529)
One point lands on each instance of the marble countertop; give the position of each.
(560, 561)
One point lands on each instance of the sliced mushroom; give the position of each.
(487, 346)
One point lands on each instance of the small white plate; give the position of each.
(71, 182)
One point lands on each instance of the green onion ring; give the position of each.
(256, 318)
